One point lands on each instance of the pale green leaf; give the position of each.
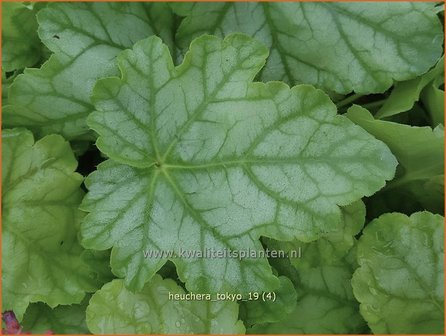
(405, 94)
(40, 217)
(21, 46)
(116, 310)
(334, 245)
(257, 309)
(222, 164)
(400, 280)
(85, 39)
(419, 150)
(325, 301)
(41, 319)
(341, 47)
(325, 306)
(433, 99)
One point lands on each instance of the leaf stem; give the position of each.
(350, 99)
(374, 104)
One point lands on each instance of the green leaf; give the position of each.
(405, 94)
(439, 9)
(325, 301)
(21, 46)
(6, 83)
(419, 150)
(433, 99)
(40, 217)
(434, 193)
(339, 47)
(259, 311)
(400, 279)
(80, 147)
(223, 163)
(115, 310)
(334, 245)
(99, 261)
(85, 39)
(39, 319)
(409, 198)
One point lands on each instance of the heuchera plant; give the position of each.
(134, 134)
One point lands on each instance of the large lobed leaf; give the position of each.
(337, 46)
(40, 219)
(203, 158)
(21, 46)
(116, 310)
(400, 281)
(85, 39)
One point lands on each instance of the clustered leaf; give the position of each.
(433, 99)
(85, 39)
(116, 310)
(70, 319)
(401, 277)
(405, 94)
(325, 301)
(255, 310)
(420, 153)
(21, 46)
(339, 47)
(40, 218)
(155, 154)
